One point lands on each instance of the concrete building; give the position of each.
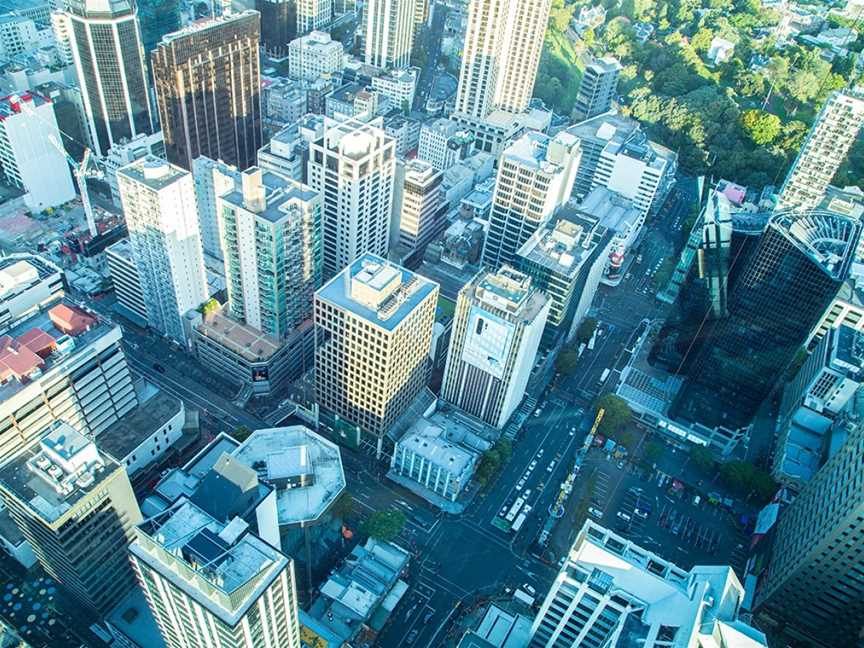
(162, 217)
(126, 280)
(535, 177)
(18, 34)
(287, 152)
(397, 87)
(313, 15)
(212, 180)
(389, 32)
(127, 151)
(503, 43)
(373, 332)
(76, 508)
(827, 144)
(283, 102)
(419, 206)
(813, 400)
(566, 259)
(593, 135)
(28, 283)
(597, 89)
(104, 38)
(444, 143)
(497, 330)
(187, 66)
(210, 581)
(29, 158)
(612, 592)
(271, 239)
(315, 55)
(352, 166)
(811, 590)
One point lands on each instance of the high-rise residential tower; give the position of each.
(597, 88)
(106, 47)
(212, 582)
(352, 166)
(497, 329)
(271, 238)
(76, 507)
(798, 266)
(832, 134)
(208, 89)
(162, 216)
(502, 50)
(535, 177)
(373, 332)
(389, 32)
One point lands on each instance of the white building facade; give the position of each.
(389, 32)
(314, 55)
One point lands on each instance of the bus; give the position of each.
(518, 523)
(514, 510)
(604, 376)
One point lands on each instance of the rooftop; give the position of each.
(122, 249)
(828, 239)
(275, 198)
(18, 272)
(153, 172)
(354, 138)
(303, 467)
(54, 474)
(242, 339)
(510, 291)
(220, 565)
(12, 104)
(204, 24)
(378, 291)
(430, 442)
(562, 246)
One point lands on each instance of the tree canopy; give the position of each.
(616, 416)
(384, 525)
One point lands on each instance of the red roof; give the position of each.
(38, 341)
(18, 361)
(71, 320)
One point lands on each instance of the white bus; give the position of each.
(604, 376)
(514, 510)
(518, 523)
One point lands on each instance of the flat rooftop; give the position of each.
(562, 246)
(296, 451)
(153, 411)
(56, 473)
(377, 291)
(153, 172)
(430, 442)
(122, 249)
(510, 291)
(244, 340)
(21, 271)
(283, 196)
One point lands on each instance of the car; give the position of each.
(573, 431)
(158, 367)
(540, 452)
(411, 638)
(551, 466)
(623, 516)
(528, 508)
(527, 494)
(520, 484)
(504, 511)
(621, 465)
(641, 513)
(532, 465)
(529, 589)
(537, 412)
(428, 617)
(597, 514)
(696, 500)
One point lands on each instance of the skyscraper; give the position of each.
(832, 134)
(420, 205)
(535, 176)
(208, 89)
(813, 586)
(212, 582)
(352, 166)
(106, 46)
(161, 214)
(497, 329)
(157, 18)
(278, 25)
(76, 507)
(271, 238)
(502, 50)
(373, 332)
(793, 274)
(212, 180)
(389, 32)
(597, 88)
(612, 592)
(313, 15)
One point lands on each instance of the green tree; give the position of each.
(242, 433)
(762, 127)
(664, 273)
(586, 329)
(702, 458)
(653, 451)
(384, 525)
(343, 506)
(567, 361)
(616, 414)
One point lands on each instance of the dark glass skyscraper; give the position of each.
(278, 25)
(157, 18)
(796, 269)
(208, 89)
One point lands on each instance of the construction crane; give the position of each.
(556, 510)
(82, 171)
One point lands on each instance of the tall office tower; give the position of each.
(108, 54)
(421, 12)
(157, 18)
(502, 50)
(832, 134)
(212, 180)
(715, 254)
(278, 25)
(812, 401)
(60, 363)
(389, 32)
(597, 88)
(352, 166)
(28, 157)
(612, 592)
(77, 510)
(373, 332)
(535, 177)
(313, 15)
(791, 277)
(208, 89)
(497, 329)
(315, 55)
(161, 214)
(419, 205)
(212, 582)
(271, 237)
(126, 281)
(812, 586)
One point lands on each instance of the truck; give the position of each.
(604, 376)
(520, 520)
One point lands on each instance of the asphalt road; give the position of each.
(432, 46)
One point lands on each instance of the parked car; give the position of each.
(597, 514)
